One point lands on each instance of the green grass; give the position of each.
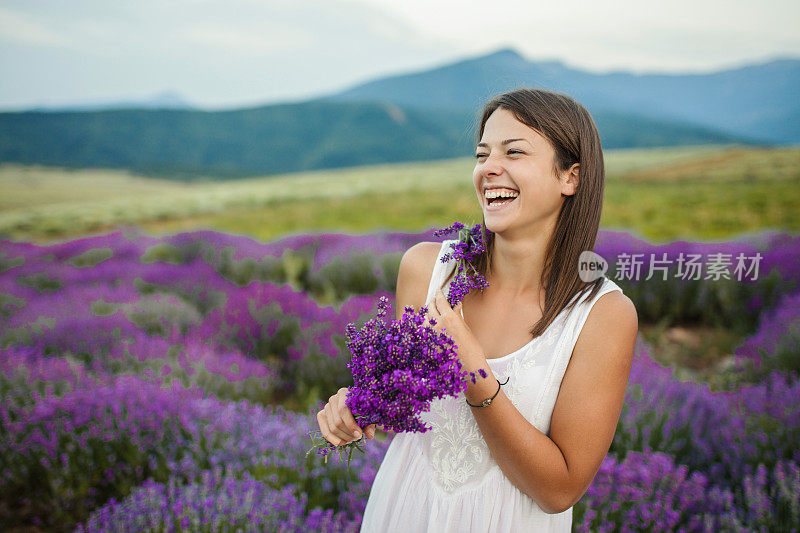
(661, 194)
(26, 187)
(748, 165)
(708, 210)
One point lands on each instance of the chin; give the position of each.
(494, 227)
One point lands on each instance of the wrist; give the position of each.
(482, 388)
(472, 363)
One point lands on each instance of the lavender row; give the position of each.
(210, 334)
(774, 345)
(215, 503)
(778, 249)
(268, 333)
(332, 267)
(651, 492)
(68, 455)
(727, 436)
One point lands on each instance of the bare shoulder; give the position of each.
(614, 307)
(612, 320)
(615, 310)
(414, 275)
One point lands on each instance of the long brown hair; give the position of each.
(572, 133)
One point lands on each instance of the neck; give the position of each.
(517, 264)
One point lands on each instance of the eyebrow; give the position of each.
(504, 142)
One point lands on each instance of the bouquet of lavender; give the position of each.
(399, 367)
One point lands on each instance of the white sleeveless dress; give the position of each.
(445, 480)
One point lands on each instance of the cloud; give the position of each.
(244, 40)
(236, 52)
(214, 53)
(22, 29)
(618, 34)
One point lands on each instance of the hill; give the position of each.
(757, 101)
(200, 145)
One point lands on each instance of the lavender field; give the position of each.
(169, 384)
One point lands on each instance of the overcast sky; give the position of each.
(223, 54)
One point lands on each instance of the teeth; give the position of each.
(503, 202)
(494, 193)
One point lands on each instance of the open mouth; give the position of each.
(493, 204)
(498, 202)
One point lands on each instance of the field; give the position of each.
(162, 375)
(660, 194)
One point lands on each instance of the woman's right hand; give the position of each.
(337, 424)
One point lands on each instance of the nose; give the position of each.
(490, 166)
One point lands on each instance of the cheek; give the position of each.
(542, 197)
(549, 198)
(476, 186)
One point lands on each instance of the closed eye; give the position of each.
(510, 152)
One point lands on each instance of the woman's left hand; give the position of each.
(450, 320)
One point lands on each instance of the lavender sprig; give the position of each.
(465, 250)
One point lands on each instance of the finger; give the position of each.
(325, 429)
(438, 305)
(370, 431)
(342, 412)
(349, 421)
(333, 424)
(337, 425)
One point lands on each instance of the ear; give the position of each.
(571, 179)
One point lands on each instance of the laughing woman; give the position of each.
(517, 450)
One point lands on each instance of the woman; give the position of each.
(518, 449)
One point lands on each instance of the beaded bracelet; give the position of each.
(488, 401)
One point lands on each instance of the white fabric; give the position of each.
(445, 480)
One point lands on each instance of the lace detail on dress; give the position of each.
(457, 446)
(516, 386)
(458, 452)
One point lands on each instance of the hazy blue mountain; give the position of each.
(162, 100)
(756, 101)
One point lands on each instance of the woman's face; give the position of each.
(525, 165)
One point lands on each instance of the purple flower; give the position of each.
(215, 498)
(466, 250)
(398, 367)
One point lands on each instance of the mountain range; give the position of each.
(161, 100)
(757, 101)
(415, 116)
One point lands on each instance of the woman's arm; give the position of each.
(556, 470)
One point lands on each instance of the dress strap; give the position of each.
(440, 273)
